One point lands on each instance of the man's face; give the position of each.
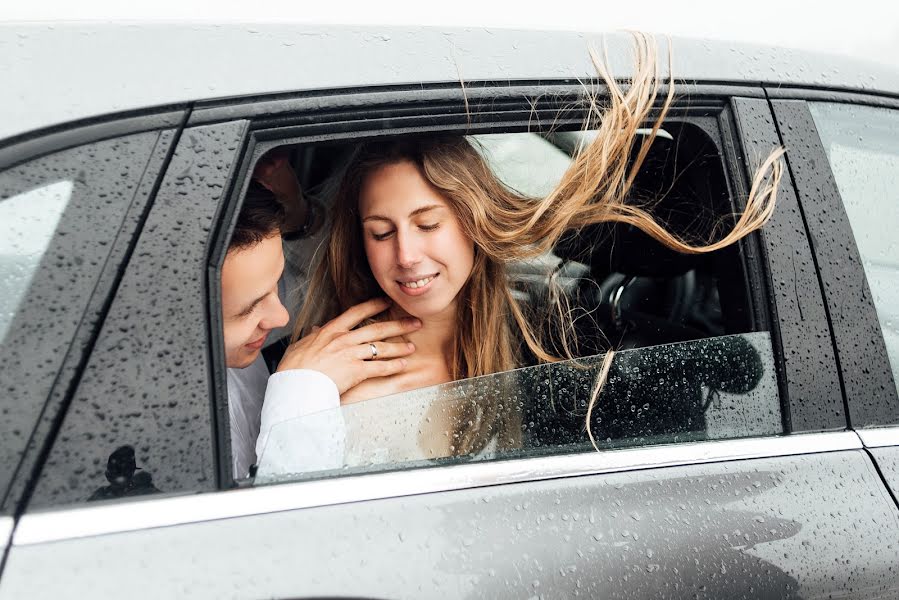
(250, 304)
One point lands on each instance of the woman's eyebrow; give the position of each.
(424, 209)
(416, 212)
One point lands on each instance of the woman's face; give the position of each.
(415, 246)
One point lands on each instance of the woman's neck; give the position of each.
(435, 338)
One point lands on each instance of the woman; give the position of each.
(427, 223)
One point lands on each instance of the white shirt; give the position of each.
(246, 390)
(302, 428)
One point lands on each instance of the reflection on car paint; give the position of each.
(124, 476)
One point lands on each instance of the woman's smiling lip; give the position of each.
(419, 289)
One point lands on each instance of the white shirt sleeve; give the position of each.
(309, 431)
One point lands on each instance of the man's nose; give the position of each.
(276, 315)
(408, 253)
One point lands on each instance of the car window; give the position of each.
(59, 217)
(690, 363)
(714, 388)
(862, 144)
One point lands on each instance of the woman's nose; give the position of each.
(408, 253)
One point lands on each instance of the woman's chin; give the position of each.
(423, 309)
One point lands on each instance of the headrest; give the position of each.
(628, 250)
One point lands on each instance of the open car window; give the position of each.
(694, 360)
(706, 389)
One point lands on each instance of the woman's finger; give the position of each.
(381, 331)
(382, 350)
(382, 368)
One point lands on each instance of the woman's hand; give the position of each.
(350, 356)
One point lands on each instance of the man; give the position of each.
(251, 309)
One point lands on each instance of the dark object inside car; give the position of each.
(640, 293)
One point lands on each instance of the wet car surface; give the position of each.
(747, 442)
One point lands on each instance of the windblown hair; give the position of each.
(506, 227)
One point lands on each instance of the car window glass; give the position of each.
(706, 389)
(31, 219)
(59, 217)
(862, 143)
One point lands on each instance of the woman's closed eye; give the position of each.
(381, 236)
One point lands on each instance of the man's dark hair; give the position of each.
(261, 216)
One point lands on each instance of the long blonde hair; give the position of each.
(506, 227)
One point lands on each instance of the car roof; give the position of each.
(53, 74)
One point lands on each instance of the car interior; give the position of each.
(631, 291)
(644, 294)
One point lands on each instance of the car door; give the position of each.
(783, 503)
(70, 201)
(846, 174)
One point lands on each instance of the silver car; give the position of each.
(748, 438)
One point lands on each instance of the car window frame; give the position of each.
(444, 110)
(868, 387)
(809, 374)
(313, 118)
(187, 206)
(66, 522)
(165, 122)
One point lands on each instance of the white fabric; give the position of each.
(312, 434)
(305, 429)
(246, 390)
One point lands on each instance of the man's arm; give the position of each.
(275, 174)
(300, 442)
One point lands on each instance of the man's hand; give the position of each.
(275, 174)
(345, 354)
